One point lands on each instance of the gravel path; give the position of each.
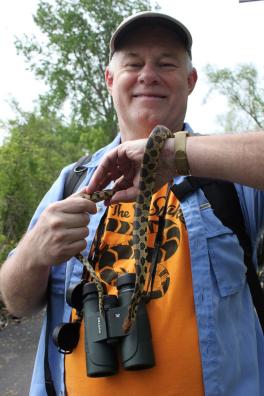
(18, 343)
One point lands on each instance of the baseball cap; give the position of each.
(154, 18)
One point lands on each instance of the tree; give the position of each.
(31, 157)
(244, 92)
(73, 58)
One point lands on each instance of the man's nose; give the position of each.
(149, 75)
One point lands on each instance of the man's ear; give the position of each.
(192, 78)
(109, 79)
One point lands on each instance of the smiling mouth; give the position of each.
(150, 96)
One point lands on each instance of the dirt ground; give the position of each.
(18, 344)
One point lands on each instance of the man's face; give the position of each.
(150, 82)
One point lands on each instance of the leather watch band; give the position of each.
(181, 160)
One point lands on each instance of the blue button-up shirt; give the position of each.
(230, 336)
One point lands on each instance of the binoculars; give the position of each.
(105, 340)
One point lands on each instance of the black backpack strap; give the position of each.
(222, 196)
(189, 185)
(76, 176)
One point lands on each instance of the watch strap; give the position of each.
(181, 160)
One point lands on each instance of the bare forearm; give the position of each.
(23, 282)
(237, 157)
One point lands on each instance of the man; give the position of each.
(206, 335)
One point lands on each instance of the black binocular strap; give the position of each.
(50, 389)
(72, 182)
(222, 196)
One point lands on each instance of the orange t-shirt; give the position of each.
(171, 311)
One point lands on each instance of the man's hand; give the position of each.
(122, 165)
(58, 235)
(60, 231)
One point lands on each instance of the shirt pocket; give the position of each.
(225, 254)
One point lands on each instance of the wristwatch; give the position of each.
(181, 160)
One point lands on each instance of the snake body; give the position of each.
(150, 161)
(97, 196)
(149, 165)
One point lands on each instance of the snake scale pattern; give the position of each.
(97, 196)
(148, 170)
(150, 161)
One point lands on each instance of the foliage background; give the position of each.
(75, 115)
(71, 60)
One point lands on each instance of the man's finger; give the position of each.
(128, 195)
(107, 170)
(77, 204)
(76, 220)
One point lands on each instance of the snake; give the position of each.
(148, 169)
(95, 197)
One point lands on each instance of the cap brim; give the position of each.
(145, 18)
